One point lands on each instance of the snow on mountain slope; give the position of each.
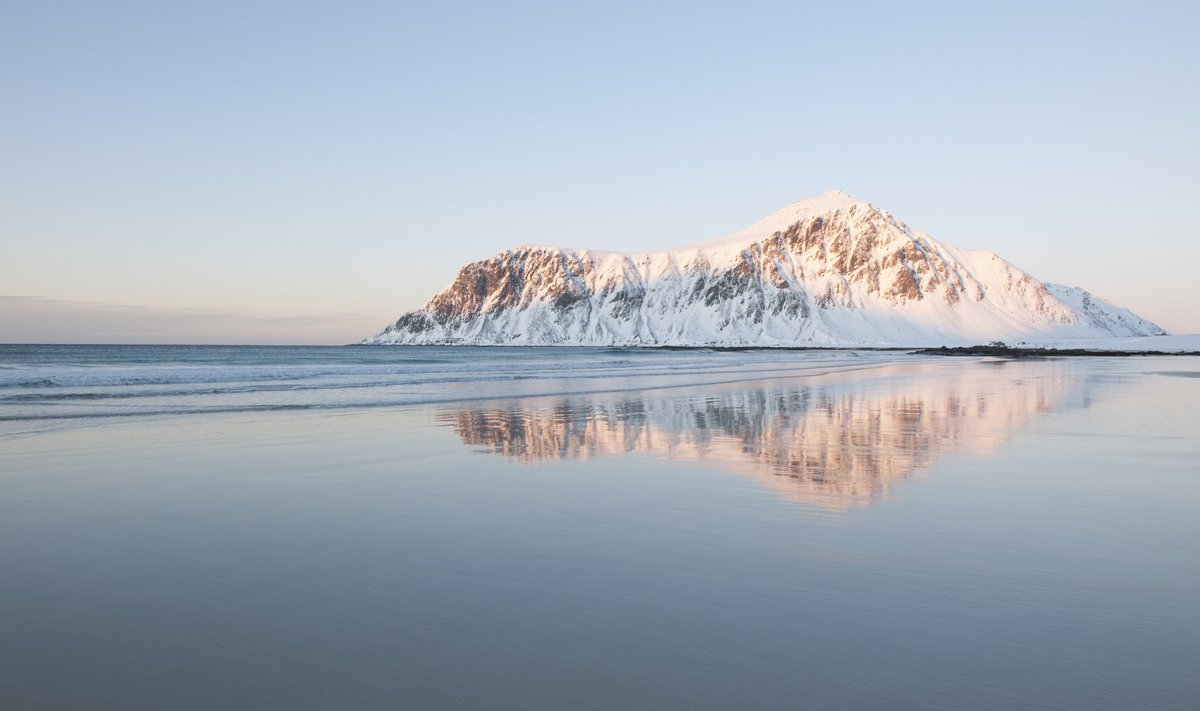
(827, 271)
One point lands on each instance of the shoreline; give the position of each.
(1022, 352)
(975, 350)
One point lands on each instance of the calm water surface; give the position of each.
(589, 528)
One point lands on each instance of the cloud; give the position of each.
(37, 319)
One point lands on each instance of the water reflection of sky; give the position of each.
(351, 558)
(837, 444)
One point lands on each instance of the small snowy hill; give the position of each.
(827, 271)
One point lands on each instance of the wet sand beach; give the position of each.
(691, 531)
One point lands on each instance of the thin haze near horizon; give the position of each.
(304, 173)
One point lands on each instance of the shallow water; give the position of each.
(40, 384)
(803, 531)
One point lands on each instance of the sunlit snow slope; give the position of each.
(827, 271)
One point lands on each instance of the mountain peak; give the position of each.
(830, 270)
(831, 201)
(824, 204)
(834, 195)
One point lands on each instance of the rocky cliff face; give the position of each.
(828, 271)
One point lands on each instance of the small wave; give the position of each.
(32, 383)
(406, 400)
(82, 386)
(177, 411)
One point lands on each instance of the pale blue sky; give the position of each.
(304, 172)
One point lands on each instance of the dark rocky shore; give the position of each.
(1016, 352)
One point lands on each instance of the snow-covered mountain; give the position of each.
(831, 270)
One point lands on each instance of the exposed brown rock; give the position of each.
(905, 286)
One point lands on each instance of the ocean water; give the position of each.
(41, 383)
(315, 528)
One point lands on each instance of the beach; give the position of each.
(596, 528)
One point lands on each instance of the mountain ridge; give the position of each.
(827, 271)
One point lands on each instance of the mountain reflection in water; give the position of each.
(836, 444)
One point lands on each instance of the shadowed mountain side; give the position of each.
(836, 445)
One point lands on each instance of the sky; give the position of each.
(296, 172)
